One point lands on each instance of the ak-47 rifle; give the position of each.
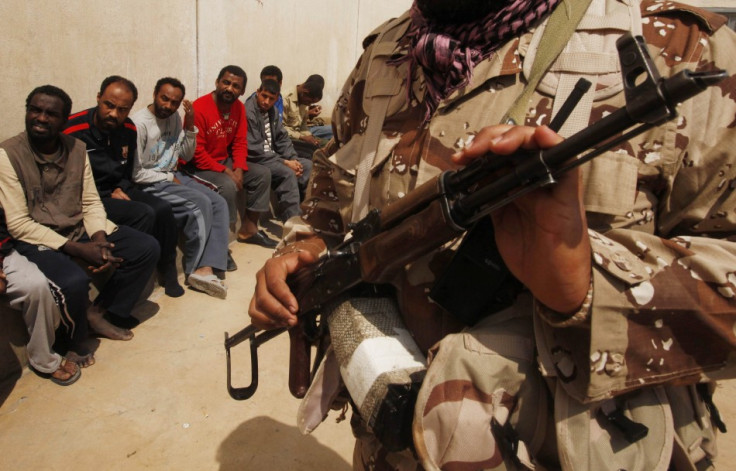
(438, 211)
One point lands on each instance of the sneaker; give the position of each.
(209, 284)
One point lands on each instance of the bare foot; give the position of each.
(67, 373)
(241, 236)
(83, 361)
(102, 327)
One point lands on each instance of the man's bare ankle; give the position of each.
(95, 312)
(203, 271)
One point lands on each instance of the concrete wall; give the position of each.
(75, 45)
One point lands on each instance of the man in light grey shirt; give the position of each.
(201, 213)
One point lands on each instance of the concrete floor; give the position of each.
(160, 401)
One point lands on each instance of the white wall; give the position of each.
(711, 3)
(76, 44)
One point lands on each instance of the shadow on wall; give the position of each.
(264, 443)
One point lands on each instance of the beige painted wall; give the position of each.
(76, 44)
(711, 3)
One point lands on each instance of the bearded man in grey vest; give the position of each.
(54, 212)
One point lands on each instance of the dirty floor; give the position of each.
(160, 401)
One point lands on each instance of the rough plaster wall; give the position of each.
(300, 37)
(75, 45)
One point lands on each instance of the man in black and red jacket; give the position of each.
(111, 140)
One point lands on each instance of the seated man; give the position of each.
(111, 145)
(271, 72)
(316, 124)
(269, 145)
(29, 291)
(53, 208)
(298, 110)
(221, 154)
(200, 211)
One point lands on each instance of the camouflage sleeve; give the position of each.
(292, 118)
(664, 299)
(697, 205)
(327, 206)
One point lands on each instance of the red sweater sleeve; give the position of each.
(240, 142)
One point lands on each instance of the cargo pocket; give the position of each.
(633, 431)
(482, 404)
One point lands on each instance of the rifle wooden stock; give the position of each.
(413, 233)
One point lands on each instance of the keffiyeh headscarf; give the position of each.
(449, 52)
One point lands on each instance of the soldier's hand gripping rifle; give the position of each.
(443, 208)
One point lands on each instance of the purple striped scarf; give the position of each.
(448, 52)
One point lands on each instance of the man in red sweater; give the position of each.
(220, 155)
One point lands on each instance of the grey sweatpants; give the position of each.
(29, 292)
(203, 217)
(255, 193)
(289, 188)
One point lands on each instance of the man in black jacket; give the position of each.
(111, 140)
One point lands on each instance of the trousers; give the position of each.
(202, 215)
(29, 292)
(289, 188)
(255, 193)
(148, 214)
(120, 292)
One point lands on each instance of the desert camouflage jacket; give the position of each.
(295, 116)
(661, 207)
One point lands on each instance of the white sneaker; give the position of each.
(209, 284)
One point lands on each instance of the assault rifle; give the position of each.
(441, 209)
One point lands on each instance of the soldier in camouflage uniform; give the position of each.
(630, 302)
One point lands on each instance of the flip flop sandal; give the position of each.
(61, 382)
